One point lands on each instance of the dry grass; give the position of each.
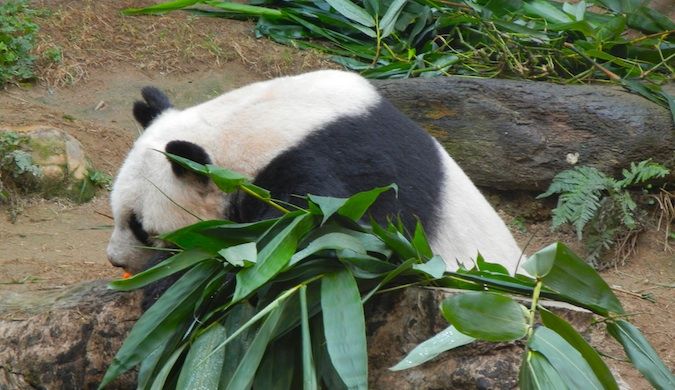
(93, 34)
(666, 216)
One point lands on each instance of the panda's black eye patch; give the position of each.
(137, 229)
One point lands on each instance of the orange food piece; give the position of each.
(127, 275)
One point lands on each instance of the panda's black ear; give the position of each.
(192, 152)
(155, 102)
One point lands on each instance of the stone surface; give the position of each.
(65, 340)
(62, 161)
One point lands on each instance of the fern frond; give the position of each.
(580, 192)
(642, 172)
(597, 242)
(627, 206)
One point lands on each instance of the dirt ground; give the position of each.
(107, 58)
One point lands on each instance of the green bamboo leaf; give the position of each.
(162, 320)
(395, 241)
(545, 10)
(309, 381)
(334, 241)
(277, 369)
(243, 255)
(238, 317)
(649, 20)
(245, 9)
(401, 268)
(170, 266)
(639, 88)
(243, 376)
(274, 256)
(225, 179)
(186, 163)
(615, 5)
(160, 8)
(434, 267)
(420, 242)
(571, 277)
(612, 29)
(671, 102)
(345, 328)
(148, 365)
(357, 205)
(568, 362)
(577, 10)
(327, 205)
(198, 371)
(540, 264)
(446, 340)
(642, 354)
(536, 373)
(163, 374)
(388, 21)
(490, 267)
(486, 316)
(352, 12)
(213, 236)
(566, 331)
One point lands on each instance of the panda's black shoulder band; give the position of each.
(191, 151)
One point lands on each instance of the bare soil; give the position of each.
(107, 58)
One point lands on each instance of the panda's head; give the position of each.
(152, 195)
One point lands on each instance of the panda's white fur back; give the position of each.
(244, 130)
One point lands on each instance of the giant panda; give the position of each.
(326, 133)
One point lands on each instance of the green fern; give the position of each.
(642, 172)
(580, 191)
(600, 207)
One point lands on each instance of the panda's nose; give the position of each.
(114, 262)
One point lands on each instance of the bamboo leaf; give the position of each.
(345, 328)
(334, 241)
(161, 321)
(200, 372)
(274, 256)
(245, 9)
(486, 316)
(536, 373)
(356, 205)
(545, 10)
(163, 374)
(568, 362)
(243, 376)
(642, 354)
(420, 242)
(490, 267)
(570, 276)
(566, 331)
(309, 381)
(539, 264)
(242, 255)
(434, 267)
(160, 8)
(446, 340)
(170, 266)
(352, 12)
(389, 19)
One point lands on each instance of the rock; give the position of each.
(517, 135)
(66, 340)
(61, 161)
